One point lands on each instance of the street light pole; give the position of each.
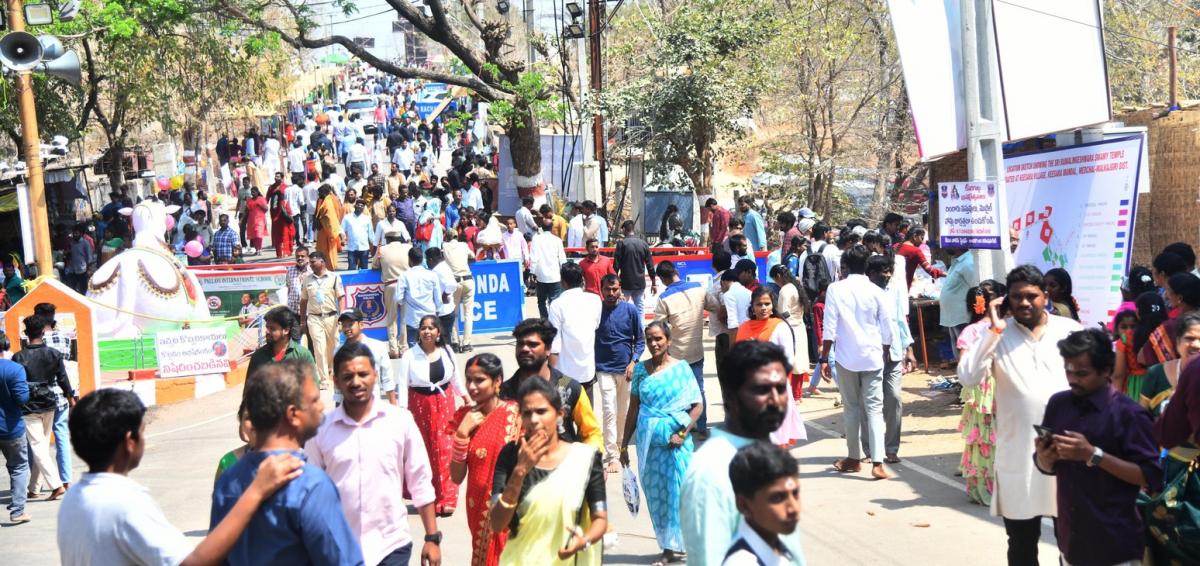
(595, 15)
(31, 147)
(985, 150)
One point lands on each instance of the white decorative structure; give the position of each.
(146, 279)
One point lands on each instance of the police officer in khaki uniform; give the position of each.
(391, 259)
(322, 297)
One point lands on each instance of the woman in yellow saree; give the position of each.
(329, 224)
(547, 492)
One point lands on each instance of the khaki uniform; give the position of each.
(321, 296)
(392, 261)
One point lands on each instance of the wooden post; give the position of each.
(1172, 66)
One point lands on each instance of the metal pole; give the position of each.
(31, 147)
(985, 151)
(528, 12)
(595, 15)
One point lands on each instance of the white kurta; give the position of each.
(1027, 371)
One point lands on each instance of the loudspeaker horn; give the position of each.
(20, 51)
(52, 47)
(66, 67)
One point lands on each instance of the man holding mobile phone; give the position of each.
(1022, 355)
(1101, 451)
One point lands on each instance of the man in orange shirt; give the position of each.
(595, 267)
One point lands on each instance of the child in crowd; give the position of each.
(1128, 373)
(246, 433)
(766, 483)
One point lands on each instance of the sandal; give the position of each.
(847, 466)
(892, 459)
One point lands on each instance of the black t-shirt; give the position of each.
(506, 462)
(632, 260)
(568, 389)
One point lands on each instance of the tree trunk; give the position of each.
(116, 165)
(707, 168)
(525, 145)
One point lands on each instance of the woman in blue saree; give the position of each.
(664, 403)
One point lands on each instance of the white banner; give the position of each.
(1052, 85)
(1074, 208)
(968, 216)
(192, 352)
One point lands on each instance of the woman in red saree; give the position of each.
(479, 433)
(283, 229)
(766, 325)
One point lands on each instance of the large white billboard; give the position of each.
(1051, 68)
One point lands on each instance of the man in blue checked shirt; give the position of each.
(223, 242)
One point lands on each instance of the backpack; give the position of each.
(815, 272)
(41, 398)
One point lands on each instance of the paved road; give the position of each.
(921, 517)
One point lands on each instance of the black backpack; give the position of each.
(815, 272)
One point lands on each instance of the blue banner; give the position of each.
(499, 300)
(498, 297)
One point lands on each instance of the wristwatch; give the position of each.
(435, 538)
(1097, 455)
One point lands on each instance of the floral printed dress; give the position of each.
(978, 432)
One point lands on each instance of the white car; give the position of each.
(363, 109)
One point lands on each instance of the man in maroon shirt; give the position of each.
(718, 225)
(786, 222)
(913, 256)
(595, 267)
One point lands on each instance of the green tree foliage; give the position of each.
(695, 83)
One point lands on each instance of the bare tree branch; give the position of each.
(302, 41)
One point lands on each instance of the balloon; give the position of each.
(177, 182)
(193, 248)
(170, 222)
(164, 183)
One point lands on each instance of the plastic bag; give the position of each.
(629, 486)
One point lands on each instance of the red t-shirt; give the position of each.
(594, 271)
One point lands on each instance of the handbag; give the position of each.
(425, 232)
(1172, 516)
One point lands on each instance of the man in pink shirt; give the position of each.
(373, 452)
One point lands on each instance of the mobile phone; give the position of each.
(1043, 433)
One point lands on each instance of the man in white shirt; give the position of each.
(389, 224)
(858, 320)
(350, 321)
(525, 218)
(735, 300)
(310, 207)
(356, 236)
(472, 196)
(1019, 353)
(420, 291)
(339, 186)
(358, 156)
(295, 158)
(714, 299)
(575, 229)
(294, 194)
(107, 518)
(576, 315)
(373, 452)
(437, 263)
(546, 255)
(403, 157)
